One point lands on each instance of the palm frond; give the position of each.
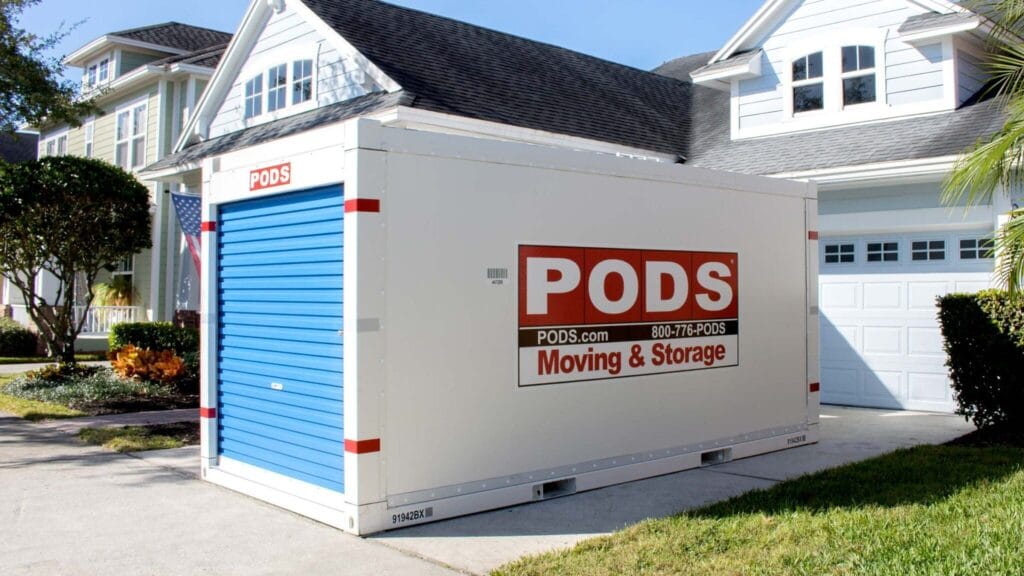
(1009, 248)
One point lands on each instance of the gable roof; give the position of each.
(206, 57)
(933, 136)
(456, 68)
(184, 37)
(774, 10)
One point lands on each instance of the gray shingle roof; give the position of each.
(934, 21)
(206, 57)
(931, 136)
(19, 147)
(283, 127)
(176, 35)
(466, 70)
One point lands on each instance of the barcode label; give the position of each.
(497, 273)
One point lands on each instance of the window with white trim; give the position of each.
(90, 76)
(808, 83)
(926, 250)
(277, 87)
(976, 248)
(254, 96)
(104, 70)
(844, 253)
(56, 145)
(858, 75)
(302, 81)
(90, 134)
(883, 252)
(130, 137)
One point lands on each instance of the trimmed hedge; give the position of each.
(15, 340)
(984, 340)
(155, 336)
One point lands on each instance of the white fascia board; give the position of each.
(928, 35)
(721, 79)
(190, 69)
(898, 171)
(175, 174)
(344, 47)
(765, 17)
(414, 118)
(231, 63)
(82, 55)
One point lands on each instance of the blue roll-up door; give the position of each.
(279, 350)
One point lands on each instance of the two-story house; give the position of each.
(873, 100)
(147, 82)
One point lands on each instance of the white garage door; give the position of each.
(880, 340)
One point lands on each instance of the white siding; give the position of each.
(971, 75)
(912, 74)
(288, 37)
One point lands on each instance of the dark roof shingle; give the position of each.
(929, 136)
(462, 69)
(207, 57)
(176, 35)
(934, 21)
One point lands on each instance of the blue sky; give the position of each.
(640, 33)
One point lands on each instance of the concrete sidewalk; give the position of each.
(65, 508)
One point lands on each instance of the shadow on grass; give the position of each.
(921, 475)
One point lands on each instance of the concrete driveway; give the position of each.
(68, 509)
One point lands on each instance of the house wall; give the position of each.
(132, 60)
(287, 37)
(911, 75)
(971, 76)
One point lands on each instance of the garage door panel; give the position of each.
(881, 344)
(280, 352)
(883, 296)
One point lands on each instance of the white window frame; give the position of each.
(978, 238)
(808, 81)
(252, 97)
(51, 145)
(831, 48)
(883, 251)
(840, 244)
(104, 70)
(89, 134)
(130, 138)
(857, 73)
(277, 94)
(263, 64)
(297, 81)
(928, 250)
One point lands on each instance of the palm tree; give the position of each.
(997, 163)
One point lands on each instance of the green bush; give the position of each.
(15, 340)
(155, 336)
(984, 336)
(84, 389)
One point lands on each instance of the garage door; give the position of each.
(880, 340)
(280, 344)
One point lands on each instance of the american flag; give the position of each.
(189, 208)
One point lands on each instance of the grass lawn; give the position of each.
(140, 438)
(33, 410)
(945, 510)
(90, 357)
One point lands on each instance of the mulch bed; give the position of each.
(103, 408)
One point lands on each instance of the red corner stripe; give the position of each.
(207, 412)
(208, 226)
(362, 446)
(812, 234)
(362, 205)
(815, 387)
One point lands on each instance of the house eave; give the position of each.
(939, 33)
(82, 56)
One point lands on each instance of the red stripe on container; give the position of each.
(208, 226)
(207, 412)
(362, 446)
(362, 205)
(814, 387)
(812, 234)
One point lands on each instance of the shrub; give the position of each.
(143, 364)
(155, 336)
(984, 340)
(16, 340)
(101, 387)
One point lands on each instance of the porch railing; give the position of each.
(100, 319)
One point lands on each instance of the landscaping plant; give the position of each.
(984, 340)
(143, 364)
(16, 340)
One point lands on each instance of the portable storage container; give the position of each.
(402, 326)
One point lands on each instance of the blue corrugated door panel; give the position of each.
(279, 349)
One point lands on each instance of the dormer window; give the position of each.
(858, 75)
(808, 84)
(277, 87)
(90, 78)
(104, 71)
(254, 97)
